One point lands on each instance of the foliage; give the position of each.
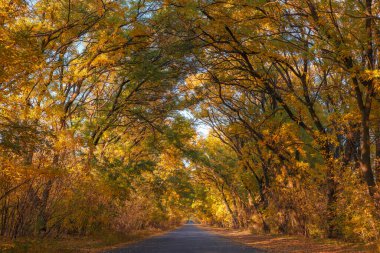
(101, 101)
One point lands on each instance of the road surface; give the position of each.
(187, 239)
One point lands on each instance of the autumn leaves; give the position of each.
(91, 102)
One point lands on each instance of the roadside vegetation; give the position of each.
(94, 243)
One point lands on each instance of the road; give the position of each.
(186, 239)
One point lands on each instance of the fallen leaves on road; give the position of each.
(293, 244)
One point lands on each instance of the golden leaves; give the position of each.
(368, 75)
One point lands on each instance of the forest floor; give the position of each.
(88, 244)
(291, 244)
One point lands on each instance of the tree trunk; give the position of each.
(332, 185)
(377, 154)
(235, 222)
(365, 154)
(43, 215)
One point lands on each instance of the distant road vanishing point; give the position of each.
(186, 239)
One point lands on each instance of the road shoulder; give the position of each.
(280, 243)
(91, 244)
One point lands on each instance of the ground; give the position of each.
(88, 244)
(189, 238)
(293, 244)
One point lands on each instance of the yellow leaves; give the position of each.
(64, 140)
(266, 132)
(284, 138)
(348, 118)
(321, 140)
(102, 60)
(302, 166)
(282, 175)
(194, 81)
(370, 74)
(377, 85)
(356, 222)
(168, 163)
(100, 8)
(10, 171)
(18, 52)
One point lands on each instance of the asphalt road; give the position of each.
(187, 239)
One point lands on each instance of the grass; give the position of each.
(92, 244)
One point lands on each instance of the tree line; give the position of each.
(94, 136)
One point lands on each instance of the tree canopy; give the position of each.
(102, 101)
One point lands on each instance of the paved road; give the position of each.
(187, 239)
